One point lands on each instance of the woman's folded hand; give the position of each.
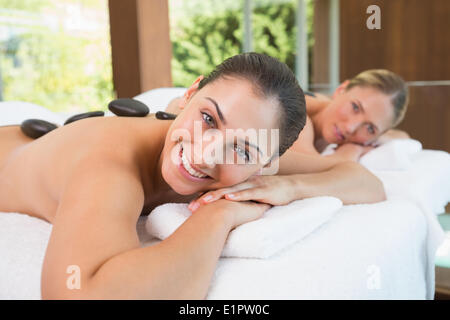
(273, 190)
(237, 213)
(352, 151)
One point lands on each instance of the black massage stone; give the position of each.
(35, 128)
(161, 115)
(128, 108)
(84, 116)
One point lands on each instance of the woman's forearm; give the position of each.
(180, 267)
(347, 181)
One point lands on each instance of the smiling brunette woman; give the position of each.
(93, 178)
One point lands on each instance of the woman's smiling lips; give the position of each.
(338, 133)
(189, 171)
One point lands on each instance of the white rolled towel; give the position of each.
(279, 227)
(158, 99)
(14, 112)
(394, 155)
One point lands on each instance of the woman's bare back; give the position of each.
(13, 147)
(34, 172)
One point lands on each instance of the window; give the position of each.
(56, 53)
(204, 33)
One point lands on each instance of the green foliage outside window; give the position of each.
(60, 70)
(204, 33)
(66, 71)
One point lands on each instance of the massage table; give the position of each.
(384, 250)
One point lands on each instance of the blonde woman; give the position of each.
(360, 114)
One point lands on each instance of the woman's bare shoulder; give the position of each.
(107, 135)
(305, 140)
(316, 104)
(113, 139)
(42, 169)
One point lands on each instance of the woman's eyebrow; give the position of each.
(360, 105)
(224, 122)
(217, 109)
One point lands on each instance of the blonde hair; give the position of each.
(388, 83)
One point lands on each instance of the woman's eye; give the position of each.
(355, 107)
(242, 153)
(370, 129)
(208, 119)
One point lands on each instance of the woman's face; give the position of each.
(221, 117)
(358, 115)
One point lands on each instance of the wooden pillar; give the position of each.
(320, 49)
(320, 77)
(140, 44)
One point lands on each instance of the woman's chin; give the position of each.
(174, 183)
(182, 190)
(330, 138)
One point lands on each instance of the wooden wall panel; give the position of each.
(413, 40)
(428, 116)
(141, 47)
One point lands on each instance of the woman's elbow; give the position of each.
(65, 294)
(371, 186)
(375, 189)
(57, 288)
(379, 192)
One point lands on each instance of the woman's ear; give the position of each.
(342, 87)
(190, 92)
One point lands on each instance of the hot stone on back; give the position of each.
(84, 116)
(128, 108)
(35, 128)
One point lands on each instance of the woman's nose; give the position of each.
(206, 157)
(208, 162)
(350, 127)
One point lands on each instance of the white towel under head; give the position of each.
(279, 227)
(394, 155)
